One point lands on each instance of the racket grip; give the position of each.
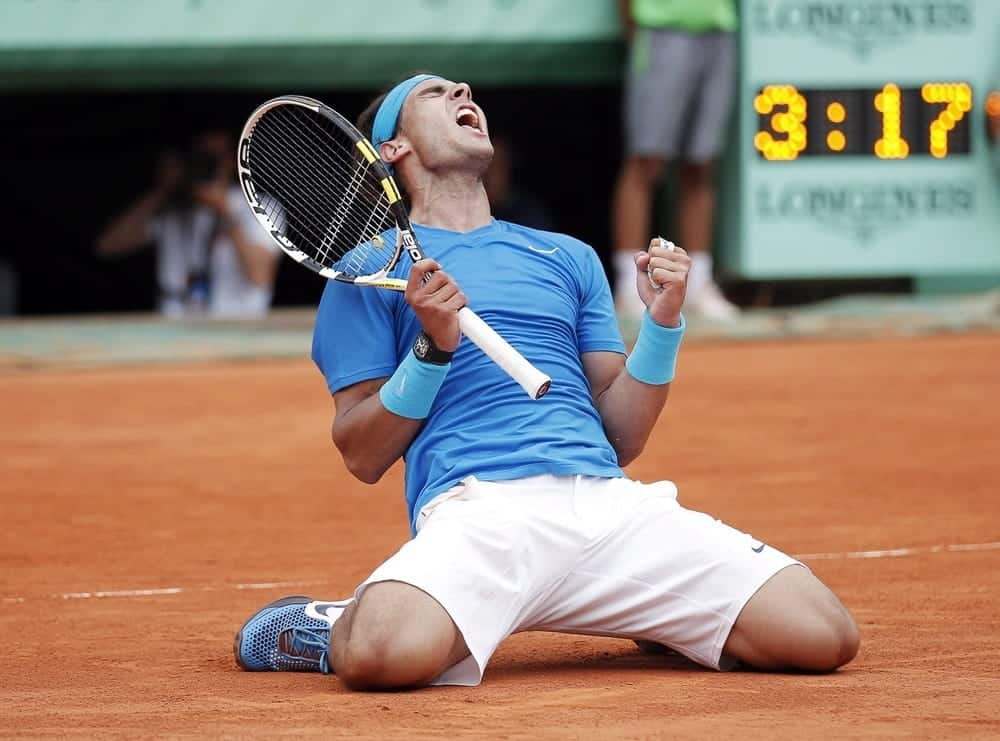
(503, 354)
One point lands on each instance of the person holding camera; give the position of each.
(212, 255)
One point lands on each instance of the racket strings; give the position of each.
(306, 208)
(302, 215)
(342, 214)
(303, 148)
(359, 184)
(306, 146)
(331, 200)
(285, 163)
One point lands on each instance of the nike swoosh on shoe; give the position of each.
(329, 612)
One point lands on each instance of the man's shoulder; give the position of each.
(339, 297)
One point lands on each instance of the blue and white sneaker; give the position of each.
(291, 634)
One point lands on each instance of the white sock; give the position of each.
(624, 262)
(701, 273)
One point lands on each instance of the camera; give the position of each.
(198, 167)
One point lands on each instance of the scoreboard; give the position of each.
(861, 140)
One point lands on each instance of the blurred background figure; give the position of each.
(507, 200)
(678, 88)
(212, 255)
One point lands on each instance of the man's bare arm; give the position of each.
(628, 408)
(258, 263)
(369, 437)
(129, 230)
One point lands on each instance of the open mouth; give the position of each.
(468, 117)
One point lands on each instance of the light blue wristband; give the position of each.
(654, 356)
(411, 390)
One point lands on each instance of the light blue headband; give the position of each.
(387, 117)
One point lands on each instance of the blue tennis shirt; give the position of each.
(548, 296)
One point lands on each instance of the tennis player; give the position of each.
(521, 514)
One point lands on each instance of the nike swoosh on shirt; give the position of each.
(541, 251)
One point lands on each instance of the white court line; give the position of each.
(897, 552)
(119, 593)
(104, 594)
(276, 584)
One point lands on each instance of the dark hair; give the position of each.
(366, 120)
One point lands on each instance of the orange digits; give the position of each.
(958, 99)
(790, 121)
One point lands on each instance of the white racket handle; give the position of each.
(503, 354)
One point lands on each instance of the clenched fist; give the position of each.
(661, 279)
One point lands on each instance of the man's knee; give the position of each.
(794, 622)
(696, 175)
(387, 662)
(396, 636)
(846, 638)
(644, 169)
(830, 639)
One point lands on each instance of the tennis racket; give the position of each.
(322, 192)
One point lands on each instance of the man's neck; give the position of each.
(457, 203)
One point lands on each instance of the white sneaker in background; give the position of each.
(709, 303)
(628, 305)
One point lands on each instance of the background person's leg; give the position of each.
(695, 224)
(632, 216)
(703, 144)
(696, 207)
(660, 92)
(633, 204)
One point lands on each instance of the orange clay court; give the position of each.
(148, 510)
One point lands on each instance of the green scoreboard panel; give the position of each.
(862, 140)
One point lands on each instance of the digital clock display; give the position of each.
(881, 111)
(889, 123)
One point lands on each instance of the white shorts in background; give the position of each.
(573, 554)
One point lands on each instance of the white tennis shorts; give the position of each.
(574, 554)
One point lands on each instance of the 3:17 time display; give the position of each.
(888, 122)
